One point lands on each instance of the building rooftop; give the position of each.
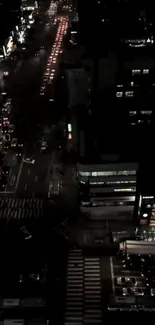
(100, 139)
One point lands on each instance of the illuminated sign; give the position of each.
(21, 38)
(69, 128)
(9, 46)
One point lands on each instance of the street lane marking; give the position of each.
(10, 174)
(112, 275)
(36, 178)
(29, 171)
(25, 187)
(12, 180)
(117, 266)
(19, 173)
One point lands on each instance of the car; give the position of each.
(34, 276)
(11, 128)
(14, 142)
(5, 129)
(20, 143)
(152, 292)
(126, 291)
(5, 74)
(21, 278)
(29, 160)
(5, 121)
(4, 109)
(132, 291)
(29, 278)
(6, 145)
(8, 101)
(18, 151)
(26, 233)
(137, 291)
(5, 169)
(7, 137)
(126, 280)
(43, 145)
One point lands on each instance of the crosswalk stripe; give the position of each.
(21, 208)
(83, 289)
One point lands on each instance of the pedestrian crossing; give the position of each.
(21, 208)
(83, 298)
(92, 291)
(74, 299)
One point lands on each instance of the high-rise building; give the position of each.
(115, 128)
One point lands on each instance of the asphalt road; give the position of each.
(30, 118)
(34, 178)
(32, 114)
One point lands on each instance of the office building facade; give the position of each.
(108, 190)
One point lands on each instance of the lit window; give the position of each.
(84, 173)
(132, 83)
(132, 113)
(120, 182)
(96, 183)
(95, 174)
(146, 112)
(145, 71)
(129, 93)
(108, 173)
(114, 173)
(119, 94)
(137, 71)
(124, 190)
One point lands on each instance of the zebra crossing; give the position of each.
(92, 291)
(21, 208)
(74, 303)
(83, 298)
